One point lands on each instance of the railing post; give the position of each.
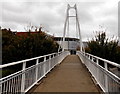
(106, 78)
(97, 62)
(50, 62)
(44, 65)
(44, 58)
(58, 58)
(53, 55)
(36, 70)
(23, 78)
(89, 56)
(53, 60)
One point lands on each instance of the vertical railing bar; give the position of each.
(11, 85)
(31, 79)
(57, 58)
(7, 87)
(23, 78)
(36, 70)
(97, 62)
(39, 71)
(15, 84)
(50, 62)
(53, 60)
(89, 56)
(44, 66)
(26, 81)
(30, 73)
(106, 78)
(18, 82)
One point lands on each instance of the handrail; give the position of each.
(108, 80)
(18, 62)
(25, 79)
(107, 61)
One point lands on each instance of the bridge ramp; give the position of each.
(70, 76)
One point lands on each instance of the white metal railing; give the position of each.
(25, 79)
(106, 79)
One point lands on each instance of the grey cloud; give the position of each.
(48, 16)
(9, 25)
(85, 17)
(12, 7)
(52, 16)
(85, 11)
(112, 27)
(13, 17)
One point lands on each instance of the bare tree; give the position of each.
(29, 27)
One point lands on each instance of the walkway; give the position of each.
(70, 76)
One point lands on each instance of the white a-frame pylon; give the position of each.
(66, 26)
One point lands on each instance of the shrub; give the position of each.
(18, 47)
(104, 47)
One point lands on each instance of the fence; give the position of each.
(100, 70)
(24, 80)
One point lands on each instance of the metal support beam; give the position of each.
(66, 26)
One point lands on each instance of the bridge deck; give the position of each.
(70, 76)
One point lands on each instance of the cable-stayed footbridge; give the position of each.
(63, 72)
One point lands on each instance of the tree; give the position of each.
(19, 47)
(15, 48)
(104, 47)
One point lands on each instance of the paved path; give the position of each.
(70, 76)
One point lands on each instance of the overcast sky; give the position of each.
(17, 14)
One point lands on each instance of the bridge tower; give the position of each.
(67, 25)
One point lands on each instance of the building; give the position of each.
(25, 33)
(70, 43)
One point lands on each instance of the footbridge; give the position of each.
(63, 72)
